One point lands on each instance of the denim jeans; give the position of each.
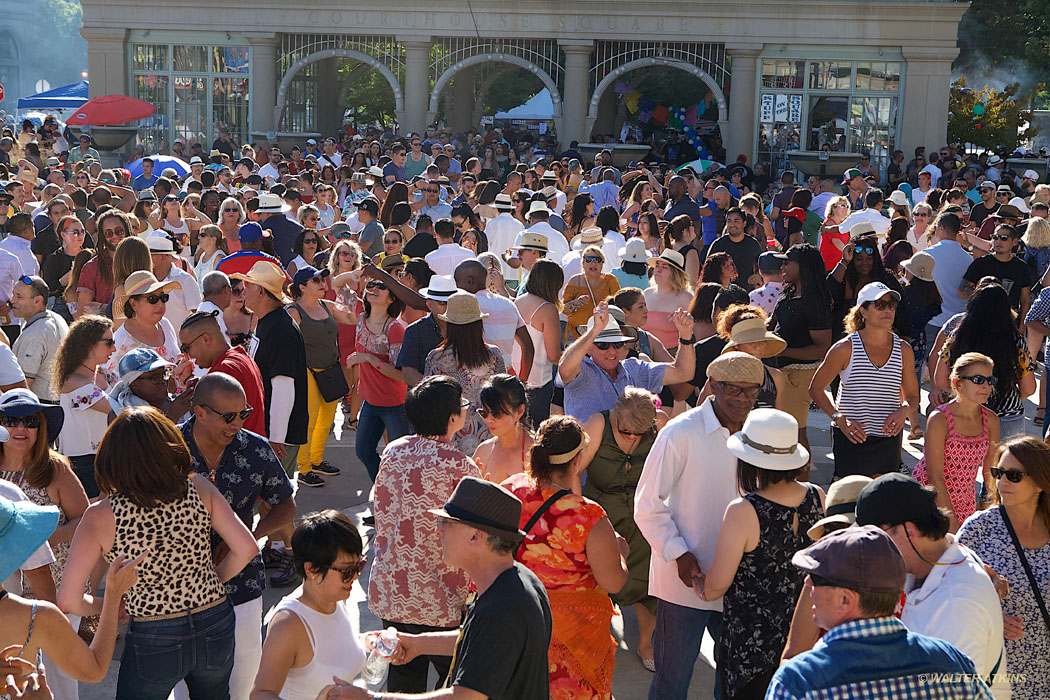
(197, 647)
(1011, 426)
(676, 645)
(371, 423)
(540, 400)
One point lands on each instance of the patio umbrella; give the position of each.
(700, 165)
(180, 166)
(111, 110)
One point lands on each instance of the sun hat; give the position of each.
(376, 172)
(769, 440)
(143, 282)
(215, 153)
(1020, 204)
(268, 276)
(391, 262)
(533, 241)
(736, 366)
(875, 290)
(753, 330)
(841, 504)
(137, 362)
(549, 176)
(1005, 188)
(147, 196)
(538, 207)
(850, 174)
(307, 272)
(441, 287)
(23, 402)
(864, 228)
(899, 198)
(159, 244)
(462, 309)
(24, 528)
(862, 559)
(338, 229)
(921, 265)
(269, 203)
(994, 159)
(503, 202)
(671, 257)
(1006, 211)
(591, 235)
(634, 251)
(485, 504)
(610, 334)
(550, 192)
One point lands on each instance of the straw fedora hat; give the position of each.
(268, 276)
(538, 207)
(671, 257)
(863, 228)
(612, 333)
(143, 282)
(769, 440)
(533, 241)
(921, 265)
(462, 309)
(841, 504)
(753, 330)
(588, 236)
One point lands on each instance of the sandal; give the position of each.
(915, 434)
(351, 424)
(1038, 420)
(648, 664)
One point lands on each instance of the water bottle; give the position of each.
(378, 663)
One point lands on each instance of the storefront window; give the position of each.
(229, 104)
(150, 57)
(827, 122)
(783, 74)
(830, 75)
(152, 131)
(873, 126)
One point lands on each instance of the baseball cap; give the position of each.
(370, 205)
(862, 559)
(875, 290)
(1031, 175)
(771, 262)
(850, 174)
(893, 499)
(248, 232)
(986, 185)
(137, 362)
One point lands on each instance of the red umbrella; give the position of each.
(111, 110)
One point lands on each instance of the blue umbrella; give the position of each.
(180, 166)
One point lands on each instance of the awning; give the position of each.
(66, 97)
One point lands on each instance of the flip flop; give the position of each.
(648, 664)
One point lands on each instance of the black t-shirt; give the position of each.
(893, 171)
(502, 650)
(46, 241)
(282, 353)
(706, 351)
(793, 319)
(979, 212)
(53, 268)
(420, 245)
(744, 253)
(1015, 274)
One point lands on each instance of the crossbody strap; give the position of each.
(1027, 569)
(537, 515)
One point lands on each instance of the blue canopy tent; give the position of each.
(65, 97)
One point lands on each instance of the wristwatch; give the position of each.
(374, 696)
(835, 417)
(687, 341)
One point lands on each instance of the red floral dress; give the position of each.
(963, 458)
(582, 654)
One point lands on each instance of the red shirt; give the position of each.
(238, 364)
(373, 386)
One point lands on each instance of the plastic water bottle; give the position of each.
(377, 666)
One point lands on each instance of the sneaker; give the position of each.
(286, 577)
(272, 559)
(310, 479)
(325, 468)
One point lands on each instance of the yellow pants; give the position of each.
(322, 415)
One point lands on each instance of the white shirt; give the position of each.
(503, 321)
(958, 603)
(10, 371)
(688, 480)
(820, 203)
(992, 173)
(557, 246)
(918, 196)
(10, 271)
(918, 242)
(443, 261)
(208, 307)
(181, 302)
(501, 232)
(879, 222)
(21, 249)
(268, 171)
(41, 557)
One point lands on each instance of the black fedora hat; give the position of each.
(483, 504)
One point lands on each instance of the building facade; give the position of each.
(788, 75)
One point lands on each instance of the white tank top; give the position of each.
(542, 369)
(339, 653)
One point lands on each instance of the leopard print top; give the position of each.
(177, 574)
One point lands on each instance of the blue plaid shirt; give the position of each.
(878, 659)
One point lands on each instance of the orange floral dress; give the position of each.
(582, 653)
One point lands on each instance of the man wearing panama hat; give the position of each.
(502, 229)
(271, 211)
(424, 335)
(538, 216)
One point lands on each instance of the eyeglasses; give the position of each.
(979, 379)
(375, 284)
(28, 421)
(464, 404)
(592, 258)
(609, 346)
(229, 417)
(884, 304)
(1000, 237)
(351, 572)
(185, 347)
(154, 298)
(750, 392)
(867, 250)
(1012, 475)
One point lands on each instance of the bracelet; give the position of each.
(687, 341)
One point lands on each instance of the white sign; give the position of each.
(767, 108)
(486, 120)
(782, 108)
(795, 114)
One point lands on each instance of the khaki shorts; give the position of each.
(795, 397)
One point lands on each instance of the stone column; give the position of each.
(107, 67)
(573, 126)
(263, 57)
(461, 116)
(927, 81)
(417, 83)
(743, 118)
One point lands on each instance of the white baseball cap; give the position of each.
(1031, 175)
(873, 291)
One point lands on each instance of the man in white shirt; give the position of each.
(449, 254)
(37, 344)
(270, 169)
(920, 193)
(992, 173)
(550, 179)
(181, 302)
(504, 326)
(503, 230)
(688, 480)
(537, 215)
(872, 214)
(19, 241)
(949, 594)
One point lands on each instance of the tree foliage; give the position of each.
(61, 55)
(1002, 125)
(369, 94)
(999, 33)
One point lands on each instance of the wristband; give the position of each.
(687, 341)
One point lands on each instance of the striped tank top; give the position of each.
(869, 394)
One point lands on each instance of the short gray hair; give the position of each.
(215, 282)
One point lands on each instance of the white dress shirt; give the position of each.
(21, 249)
(443, 261)
(502, 323)
(181, 302)
(501, 232)
(688, 480)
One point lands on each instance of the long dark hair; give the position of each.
(712, 269)
(811, 274)
(467, 344)
(924, 294)
(878, 270)
(988, 328)
(607, 219)
(578, 212)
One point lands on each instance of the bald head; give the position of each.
(470, 276)
(211, 385)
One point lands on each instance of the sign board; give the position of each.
(795, 112)
(781, 113)
(767, 108)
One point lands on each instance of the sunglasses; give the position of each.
(979, 379)
(391, 241)
(628, 433)
(309, 241)
(375, 284)
(237, 291)
(185, 347)
(485, 412)
(745, 391)
(154, 298)
(922, 214)
(1000, 237)
(592, 258)
(12, 421)
(351, 572)
(1002, 194)
(228, 417)
(1012, 475)
(865, 249)
(233, 210)
(609, 346)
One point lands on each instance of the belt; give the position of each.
(184, 613)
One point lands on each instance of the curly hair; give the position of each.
(712, 269)
(83, 335)
(733, 315)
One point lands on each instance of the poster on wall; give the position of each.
(767, 108)
(795, 112)
(782, 108)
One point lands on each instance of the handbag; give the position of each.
(1027, 569)
(331, 382)
(536, 517)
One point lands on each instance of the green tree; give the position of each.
(61, 53)
(998, 34)
(369, 95)
(1002, 123)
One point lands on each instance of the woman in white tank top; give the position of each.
(539, 308)
(311, 635)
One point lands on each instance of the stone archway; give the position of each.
(599, 90)
(286, 81)
(442, 81)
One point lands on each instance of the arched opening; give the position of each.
(318, 89)
(482, 91)
(661, 78)
(10, 75)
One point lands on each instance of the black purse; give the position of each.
(331, 382)
(1027, 568)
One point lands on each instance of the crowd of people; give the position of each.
(576, 389)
